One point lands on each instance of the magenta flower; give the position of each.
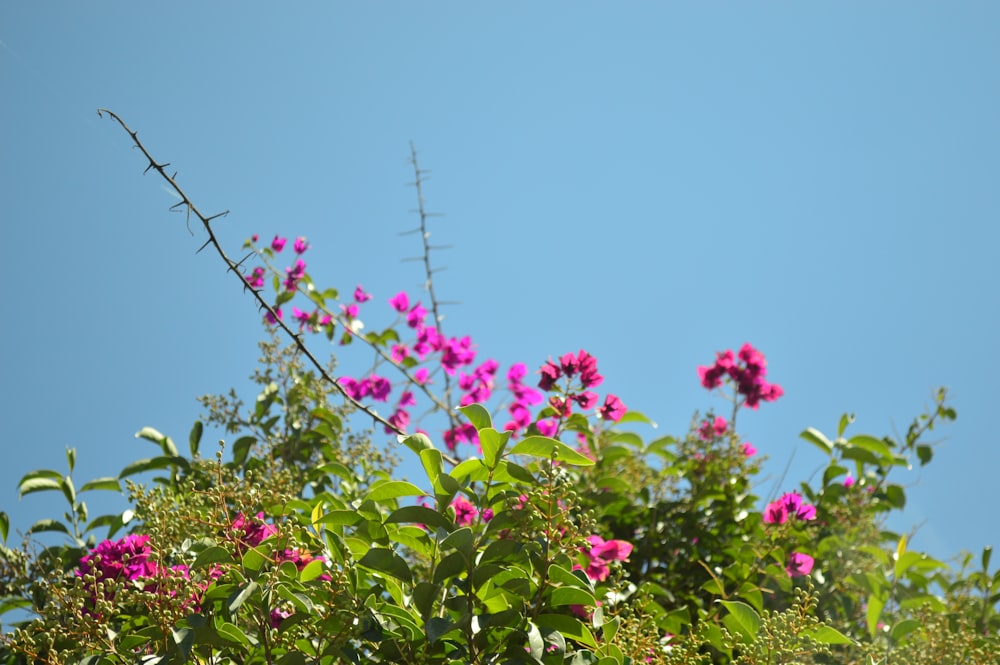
(848, 480)
(380, 387)
(407, 399)
(251, 532)
(547, 427)
(601, 553)
(300, 245)
(400, 419)
(255, 279)
(712, 429)
(295, 274)
(127, 559)
(278, 244)
(587, 399)
(799, 564)
(416, 316)
(399, 353)
(422, 376)
(789, 505)
(551, 373)
(748, 449)
(400, 302)
(254, 238)
(272, 319)
(360, 295)
(612, 410)
(465, 512)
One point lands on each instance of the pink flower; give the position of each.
(278, 244)
(551, 373)
(848, 480)
(587, 399)
(709, 430)
(300, 245)
(108, 560)
(400, 419)
(547, 427)
(360, 295)
(251, 532)
(400, 302)
(799, 564)
(295, 275)
(407, 399)
(790, 504)
(399, 353)
(748, 449)
(254, 238)
(416, 316)
(380, 387)
(273, 319)
(601, 553)
(255, 279)
(465, 512)
(612, 410)
(421, 376)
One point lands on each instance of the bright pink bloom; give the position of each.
(551, 373)
(360, 295)
(416, 316)
(612, 410)
(380, 387)
(799, 564)
(278, 244)
(400, 419)
(271, 318)
(547, 427)
(587, 399)
(421, 376)
(108, 560)
(251, 532)
(295, 275)
(709, 430)
(254, 238)
(789, 505)
(400, 302)
(399, 352)
(350, 311)
(465, 512)
(848, 480)
(255, 279)
(407, 399)
(300, 245)
(748, 449)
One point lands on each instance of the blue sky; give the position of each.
(652, 182)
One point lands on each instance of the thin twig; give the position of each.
(234, 267)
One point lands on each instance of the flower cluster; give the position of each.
(601, 553)
(748, 374)
(247, 533)
(580, 372)
(710, 429)
(789, 505)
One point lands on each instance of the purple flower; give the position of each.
(300, 245)
(400, 302)
(251, 532)
(465, 512)
(612, 410)
(799, 564)
(273, 319)
(748, 449)
(278, 244)
(416, 316)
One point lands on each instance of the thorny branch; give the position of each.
(234, 267)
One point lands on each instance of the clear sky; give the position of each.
(650, 181)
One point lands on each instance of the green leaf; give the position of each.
(241, 449)
(818, 439)
(416, 442)
(194, 438)
(108, 483)
(742, 619)
(388, 562)
(437, 628)
(569, 627)
(567, 595)
(431, 460)
(543, 446)
(48, 525)
(340, 518)
(493, 442)
(872, 614)
(472, 470)
(210, 555)
(232, 633)
(30, 485)
(68, 490)
(237, 599)
(827, 635)
(904, 628)
(636, 417)
(420, 515)
(313, 569)
(393, 489)
(152, 464)
(845, 420)
(158, 438)
(71, 458)
(478, 416)
(4, 525)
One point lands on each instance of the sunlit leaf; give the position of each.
(543, 446)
